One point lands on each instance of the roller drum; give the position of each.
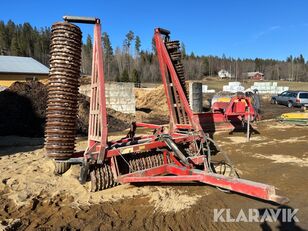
(63, 86)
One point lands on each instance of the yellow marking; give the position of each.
(141, 147)
(127, 150)
(295, 115)
(223, 99)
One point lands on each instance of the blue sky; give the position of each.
(236, 28)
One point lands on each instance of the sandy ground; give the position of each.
(32, 197)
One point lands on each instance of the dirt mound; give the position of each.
(83, 114)
(151, 105)
(117, 121)
(153, 99)
(21, 112)
(34, 91)
(85, 79)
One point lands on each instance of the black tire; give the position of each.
(273, 101)
(61, 167)
(290, 104)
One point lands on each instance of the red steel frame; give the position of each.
(198, 121)
(165, 65)
(98, 129)
(178, 172)
(238, 106)
(174, 173)
(100, 150)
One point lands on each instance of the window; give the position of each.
(293, 94)
(285, 93)
(303, 95)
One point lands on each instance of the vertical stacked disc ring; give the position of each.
(63, 85)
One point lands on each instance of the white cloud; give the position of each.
(268, 30)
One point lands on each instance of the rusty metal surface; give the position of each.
(102, 176)
(65, 61)
(173, 48)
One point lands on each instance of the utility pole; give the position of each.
(210, 66)
(292, 69)
(236, 70)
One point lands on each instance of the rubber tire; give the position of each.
(61, 167)
(290, 104)
(273, 101)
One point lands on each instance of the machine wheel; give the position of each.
(290, 104)
(101, 177)
(61, 167)
(273, 101)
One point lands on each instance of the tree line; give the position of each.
(24, 40)
(130, 63)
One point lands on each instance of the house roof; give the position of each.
(19, 65)
(254, 73)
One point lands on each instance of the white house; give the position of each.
(223, 74)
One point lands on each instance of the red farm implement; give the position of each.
(182, 152)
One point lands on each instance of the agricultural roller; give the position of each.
(180, 152)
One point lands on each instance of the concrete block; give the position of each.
(210, 91)
(204, 88)
(234, 84)
(226, 88)
(195, 96)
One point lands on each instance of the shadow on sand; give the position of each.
(10, 145)
(285, 224)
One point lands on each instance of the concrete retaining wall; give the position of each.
(268, 87)
(119, 96)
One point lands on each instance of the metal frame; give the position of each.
(173, 173)
(185, 131)
(98, 130)
(208, 122)
(179, 110)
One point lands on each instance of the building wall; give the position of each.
(7, 79)
(119, 96)
(257, 77)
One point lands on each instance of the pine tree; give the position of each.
(301, 59)
(129, 37)
(135, 76)
(183, 50)
(3, 39)
(137, 45)
(15, 49)
(125, 76)
(154, 46)
(87, 56)
(108, 54)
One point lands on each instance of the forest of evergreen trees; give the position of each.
(130, 63)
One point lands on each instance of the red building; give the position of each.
(255, 75)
